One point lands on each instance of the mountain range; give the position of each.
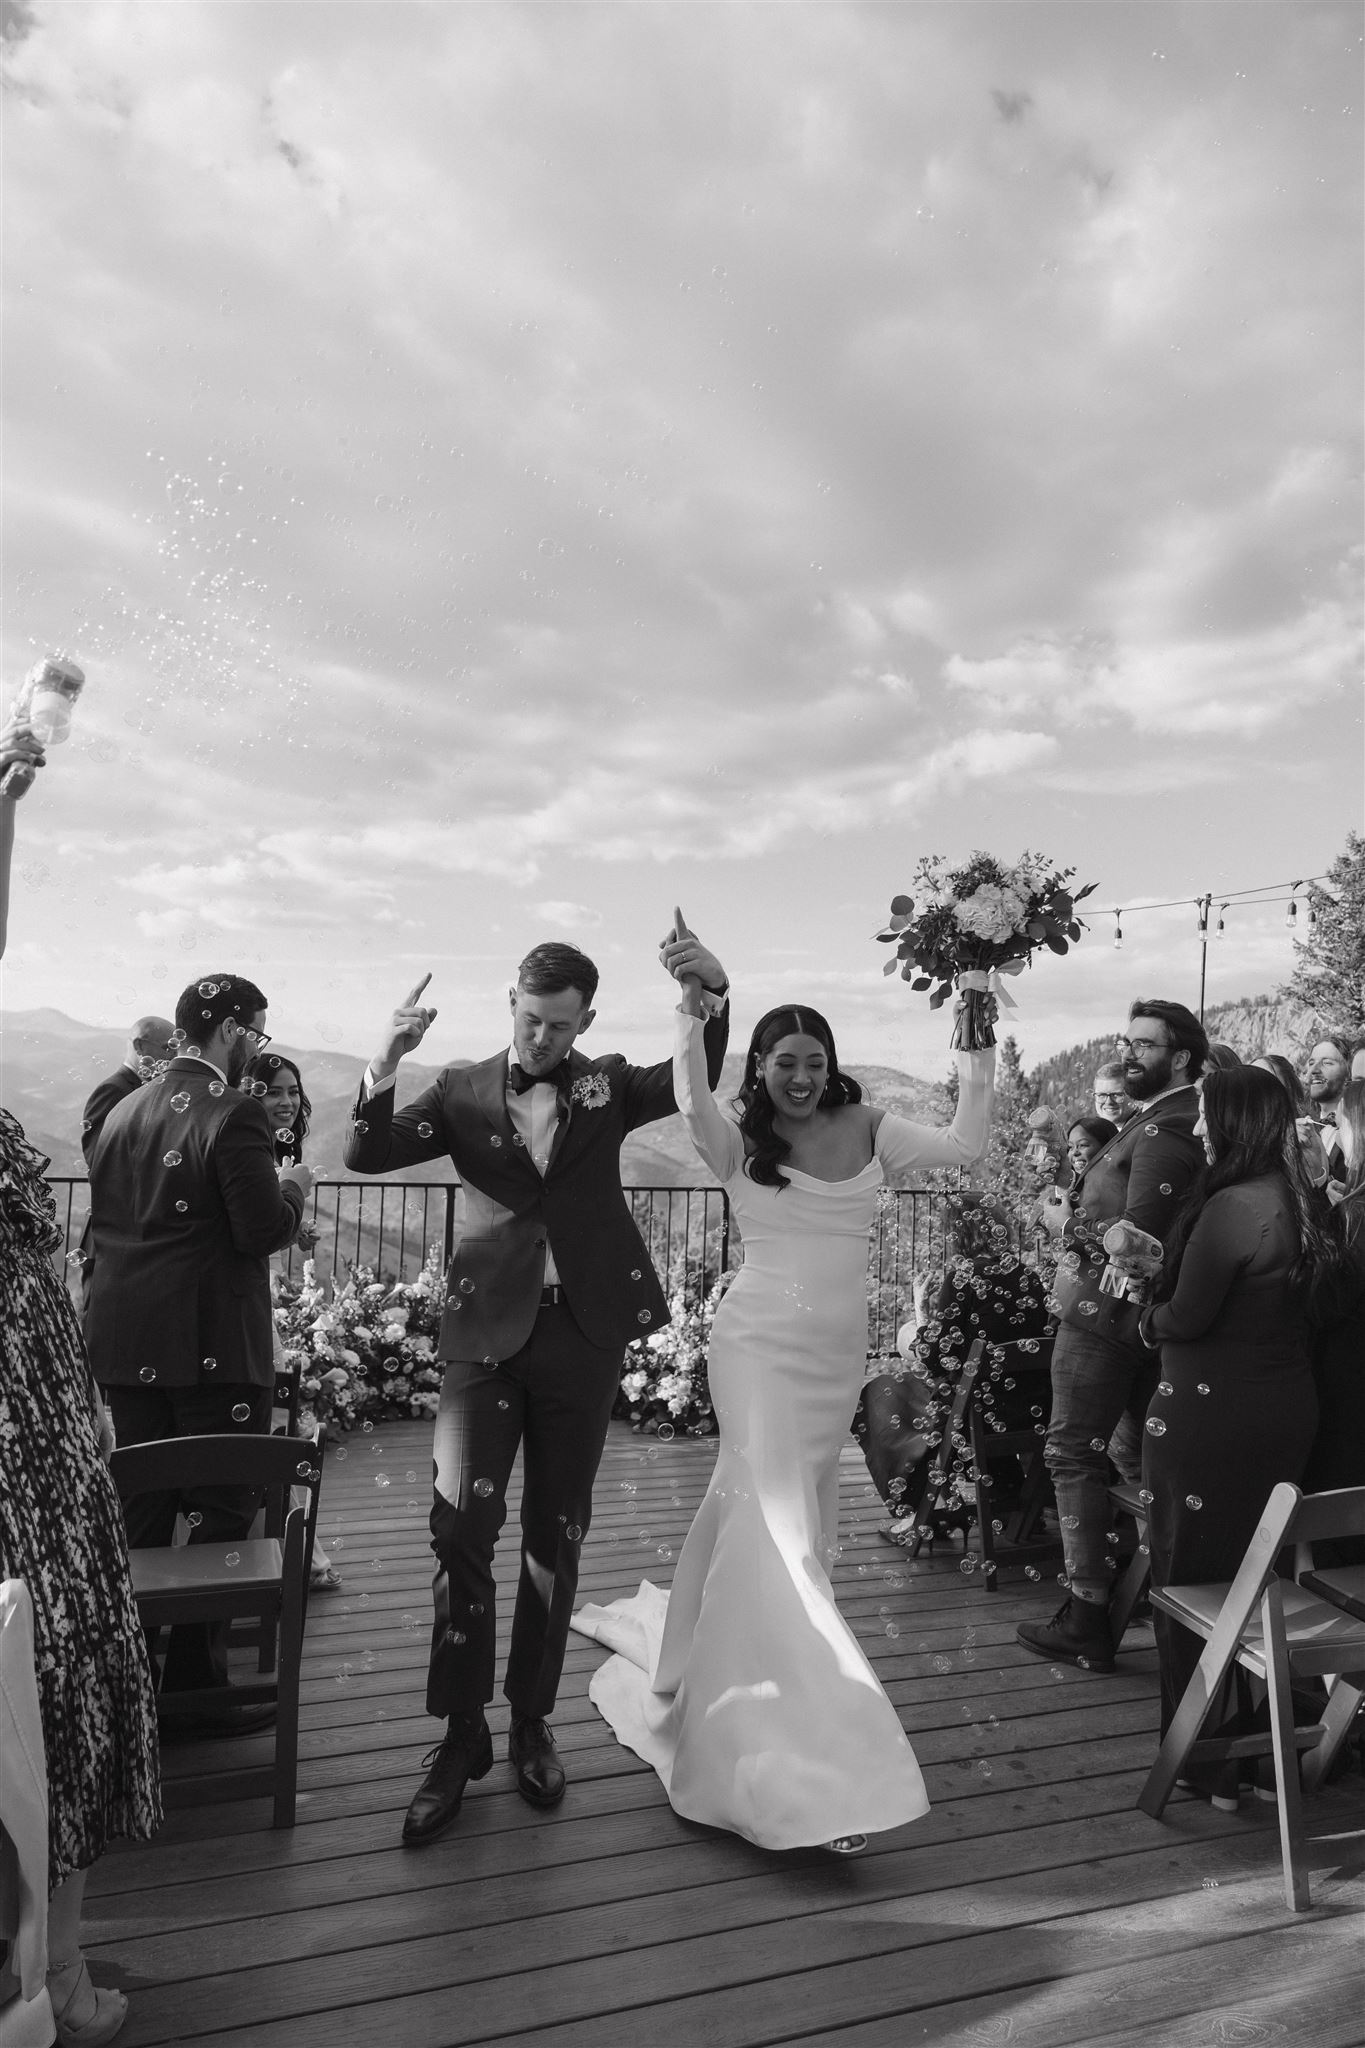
(49, 1063)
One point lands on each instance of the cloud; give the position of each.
(571, 917)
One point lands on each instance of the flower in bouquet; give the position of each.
(967, 926)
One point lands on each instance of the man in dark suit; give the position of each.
(149, 1047)
(186, 1207)
(550, 1282)
(1103, 1377)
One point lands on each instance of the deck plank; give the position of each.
(1033, 1903)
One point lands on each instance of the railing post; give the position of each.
(448, 1227)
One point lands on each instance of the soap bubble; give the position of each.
(147, 1374)
(1192, 1500)
(241, 1411)
(172, 1158)
(424, 1130)
(233, 1557)
(574, 1533)
(180, 1102)
(482, 1489)
(182, 1208)
(1155, 1426)
(193, 1519)
(381, 1479)
(666, 1432)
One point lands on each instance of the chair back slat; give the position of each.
(1324, 1515)
(179, 1462)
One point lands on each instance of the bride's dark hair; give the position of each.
(789, 1020)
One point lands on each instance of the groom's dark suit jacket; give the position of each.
(181, 1248)
(493, 1294)
(1142, 1174)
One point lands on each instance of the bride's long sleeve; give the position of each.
(716, 1139)
(901, 1144)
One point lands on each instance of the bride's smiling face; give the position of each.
(794, 1074)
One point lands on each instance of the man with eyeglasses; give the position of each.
(1112, 1100)
(1103, 1377)
(186, 1206)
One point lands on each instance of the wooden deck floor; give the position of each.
(1034, 1905)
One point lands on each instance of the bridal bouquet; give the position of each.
(974, 923)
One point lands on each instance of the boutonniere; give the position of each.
(593, 1091)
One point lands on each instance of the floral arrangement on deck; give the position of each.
(975, 923)
(663, 1385)
(365, 1348)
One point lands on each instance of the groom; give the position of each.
(550, 1281)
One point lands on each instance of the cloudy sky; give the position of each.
(506, 468)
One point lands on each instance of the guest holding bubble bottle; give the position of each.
(1235, 1412)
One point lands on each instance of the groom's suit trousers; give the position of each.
(555, 1398)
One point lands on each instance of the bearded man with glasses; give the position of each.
(1103, 1377)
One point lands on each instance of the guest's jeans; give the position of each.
(1100, 1394)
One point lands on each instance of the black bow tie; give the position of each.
(519, 1080)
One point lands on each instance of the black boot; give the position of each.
(540, 1774)
(466, 1753)
(1078, 1633)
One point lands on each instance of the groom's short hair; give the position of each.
(549, 968)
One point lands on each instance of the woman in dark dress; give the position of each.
(1236, 1410)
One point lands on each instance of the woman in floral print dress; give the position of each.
(62, 1534)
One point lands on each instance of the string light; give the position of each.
(1219, 932)
(1118, 932)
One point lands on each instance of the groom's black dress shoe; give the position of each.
(466, 1753)
(540, 1774)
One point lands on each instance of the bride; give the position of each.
(744, 1687)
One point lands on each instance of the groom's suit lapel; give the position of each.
(488, 1086)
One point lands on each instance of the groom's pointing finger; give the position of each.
(681, 928)
(410, 1002)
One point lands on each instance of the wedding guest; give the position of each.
(148, 1047)
(1086, 1139)
(1311, 1147)
(1112, 1100)
(548, 1285)
(1358, 1059)
(61, 1533)
(1102, 1376)
(1235, 1411)
(1329, 1069)
(1275, 1063)
(1338, 1342)
(187, 1207)
(1222, 1057)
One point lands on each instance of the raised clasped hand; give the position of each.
(682, 954)
(407, 1028)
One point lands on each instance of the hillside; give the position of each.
(49, 1063)
(1251, 1026)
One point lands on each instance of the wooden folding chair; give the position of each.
(1126, 1499)
(1273, 1628)
(265, 1577)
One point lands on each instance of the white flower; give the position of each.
(593, 1091)
(394, 1333)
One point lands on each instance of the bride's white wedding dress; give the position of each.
(744, 1687)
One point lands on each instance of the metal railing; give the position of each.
(395, 1227)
